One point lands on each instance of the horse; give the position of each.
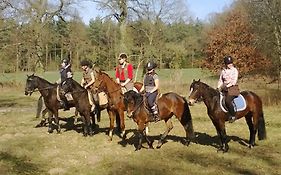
(115, 107)
(49, 92)
(253, 112)
(43, 111)
(82, 104)
(169, 104)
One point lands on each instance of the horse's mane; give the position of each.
(212, 91)
(76, 83)
(138, 98)
(44, 80)
(105, 74)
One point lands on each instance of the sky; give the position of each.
(199, 8)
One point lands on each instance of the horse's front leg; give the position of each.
(122, 124)
(111, 125)
(50, 121)
(89, 124)
(85, 130)
(220, 127)
(169, 127)
(56, 114)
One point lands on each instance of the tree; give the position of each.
(234, 36)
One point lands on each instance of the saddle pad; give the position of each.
(239, 103)
(102, 98)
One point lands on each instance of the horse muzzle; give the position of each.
(28, 93)
(191, 102)
(129, 114)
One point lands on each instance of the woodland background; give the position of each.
(36, 34)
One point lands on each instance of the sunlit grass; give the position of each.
(25, 149)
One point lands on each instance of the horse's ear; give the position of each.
(32, 74)
(193, 80)
(199, 80)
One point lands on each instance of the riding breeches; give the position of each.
(151, 98)
(229, 104)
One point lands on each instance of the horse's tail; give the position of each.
(188, 118)
(39, 106)
(261, 127)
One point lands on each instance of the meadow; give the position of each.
(25, 149)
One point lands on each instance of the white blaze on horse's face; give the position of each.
(191, 101)
(130, 114)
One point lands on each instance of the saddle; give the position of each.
(239, 103)
(68, 96)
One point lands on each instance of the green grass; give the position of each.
(25, 149)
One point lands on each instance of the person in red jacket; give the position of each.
(124, 73)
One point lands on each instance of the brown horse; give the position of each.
(49, 92)
(115, 107)
(82, 104)
(253, 112)
(169, 104)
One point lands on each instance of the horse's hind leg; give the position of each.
(252, 129)
(169, 127)
(57, 121)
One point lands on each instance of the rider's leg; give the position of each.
(230, 107)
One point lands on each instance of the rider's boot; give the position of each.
(64, 105)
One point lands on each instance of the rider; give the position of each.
(124, 73)
(65, 73)
(151, 86)
(228, 79)
(88, 80)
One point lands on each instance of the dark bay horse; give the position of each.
(169, 104)
(253, 113)
(115, 107)
(49, 93)
(82, 104)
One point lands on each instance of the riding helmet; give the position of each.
(150, 65)
(66, 60)
(123, 56)
(86, 63)
(228, 60)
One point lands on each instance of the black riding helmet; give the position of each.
(86, 63)
(228, 60)
(150, 65)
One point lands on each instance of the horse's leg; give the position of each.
(140, 141)
(252, 129)
(50, 121)
(89, 124)
(122, 124)
(169, 127)
(56, 114)
(76, 115)
(111, 125)
(220, 127)
(85, 131)
(44, 121)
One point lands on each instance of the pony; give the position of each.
(82, 104)
(115, 107)
(253, 112)
(49, 93)
(169, 104)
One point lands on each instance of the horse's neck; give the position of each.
(44, 86)
(209, 95)
(77, 90)
(112, 86)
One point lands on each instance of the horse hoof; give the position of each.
(50, 130)
(251, 146)
(110, 139)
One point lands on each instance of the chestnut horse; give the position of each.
(253, 112)
(169, 104)
(115, 107)
(49, 93)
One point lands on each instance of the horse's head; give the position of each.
(31, 84)
(195, 93)
(132, 100)
(66, 86)
(100, 80)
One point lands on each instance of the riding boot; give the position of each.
(156, 117)
(230, 107)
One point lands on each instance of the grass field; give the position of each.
(25, 149)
